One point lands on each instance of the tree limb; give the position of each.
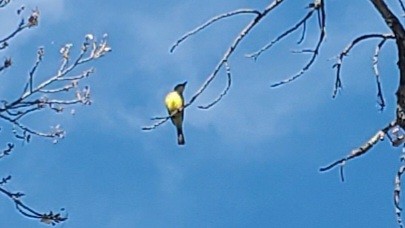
(360, 150)
(397, 189)
(398, 30)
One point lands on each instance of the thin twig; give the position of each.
(5, 180)
(161, 121)
(304, 30)
(32, 22)
(7, 150)
(380, 95)
(402, 5)
(224, 92)
(211, 21)
(21, 26)
(40, 54)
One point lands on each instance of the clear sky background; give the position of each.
(250, 161)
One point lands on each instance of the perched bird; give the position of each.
(174, 102)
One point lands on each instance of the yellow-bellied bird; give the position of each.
(174, 103)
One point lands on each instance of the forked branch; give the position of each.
(345, 52)
(319, 7)
(48, 218)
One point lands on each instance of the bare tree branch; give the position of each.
(320, 8)
(225, 59)
(362, 149)
(380, 95)
(317, 5)
(4, 3)
(232, 48)
(25, 210)
(228, 86)
(161, 120)
(300, 23)
(40, 54)
(36, 96)
(397, 189)
(394, 130)
(44, 95)
(399, 32)
(210, 22)
(345, 52)
(5, 180)
(32, 22)
(7, 151)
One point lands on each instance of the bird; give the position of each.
(174, 102)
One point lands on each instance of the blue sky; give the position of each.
(250, 161)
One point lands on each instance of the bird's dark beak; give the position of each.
(184, 84)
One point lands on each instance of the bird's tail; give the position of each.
(180, 136)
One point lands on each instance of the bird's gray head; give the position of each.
(180, 87)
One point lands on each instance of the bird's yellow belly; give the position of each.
(173, 101)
